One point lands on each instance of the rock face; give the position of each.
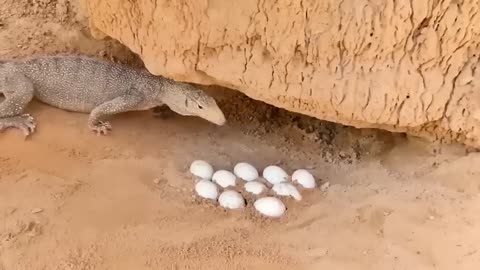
(408, 66)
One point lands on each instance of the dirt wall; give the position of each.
(407, 66)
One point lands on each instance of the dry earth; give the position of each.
(73, 200)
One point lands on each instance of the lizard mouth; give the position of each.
(218, 117)
(220, 120)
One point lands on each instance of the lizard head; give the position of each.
(186, 99)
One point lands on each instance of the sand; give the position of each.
(72, 200)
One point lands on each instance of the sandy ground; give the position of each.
(73, 200)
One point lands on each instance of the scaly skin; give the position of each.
(95, 86)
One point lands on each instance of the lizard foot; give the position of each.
(101, 128)
(25, 122)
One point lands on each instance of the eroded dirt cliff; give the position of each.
(407, 66)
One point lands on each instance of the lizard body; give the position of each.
(90, 85)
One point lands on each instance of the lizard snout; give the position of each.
(217, 117)
(221, 120)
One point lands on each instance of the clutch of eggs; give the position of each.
(207, 187)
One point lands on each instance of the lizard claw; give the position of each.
(25, 122)
(29, 125)
(101, 128)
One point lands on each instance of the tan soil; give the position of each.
(72, 200)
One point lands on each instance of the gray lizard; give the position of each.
(91, 85)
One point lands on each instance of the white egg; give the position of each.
(201, 169)
(304, 178)
(206, 189)
(231, 199)
(255, 187)
(270, 206)
(275, 174)
(245, 171)
(287, 189)
(224, 178)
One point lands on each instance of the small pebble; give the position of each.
(323, 252)
(328, 157)
(10, 210)
(36, 210)
(324, 187)
(156, 181)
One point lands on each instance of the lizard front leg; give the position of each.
(97, 119)
(18, 91)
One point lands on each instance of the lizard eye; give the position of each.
(199, 106)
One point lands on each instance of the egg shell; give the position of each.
(304, 178)
(270, 206)
(224, 178)
(206, 189)
(231, 199)
(255, 187)
(201, 169)
(287, 189)
(245, 171)
(274, 174)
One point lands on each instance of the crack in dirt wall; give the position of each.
(404, 66)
